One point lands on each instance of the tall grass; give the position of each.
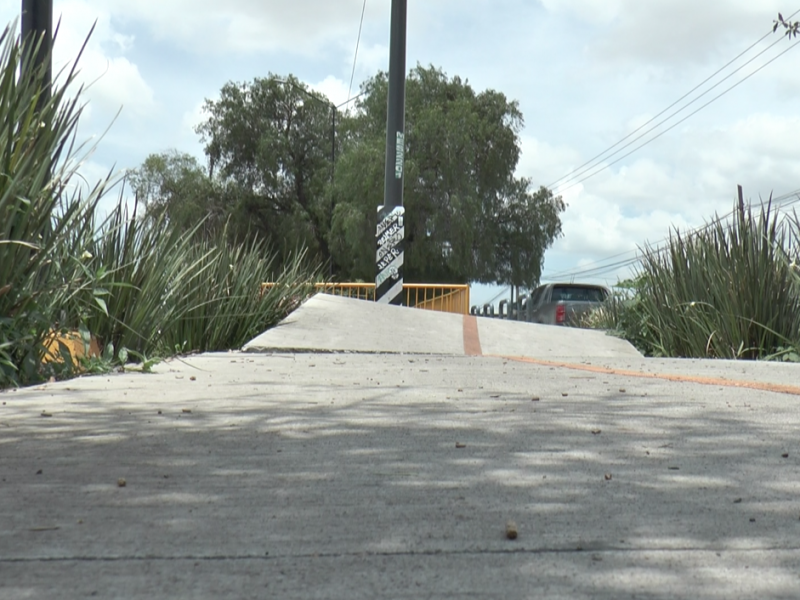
(36, 216)
(729, 291)
(130, 279)
(164, 291)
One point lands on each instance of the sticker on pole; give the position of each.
(390, 237)
(400, 155)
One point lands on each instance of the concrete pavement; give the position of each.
(369, 465)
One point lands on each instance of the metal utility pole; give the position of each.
(390, 233)
(37, 28)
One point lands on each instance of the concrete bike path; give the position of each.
(362, 474)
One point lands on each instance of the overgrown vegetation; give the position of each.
(731, 291)
(144, 289)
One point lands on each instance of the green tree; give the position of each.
(524, 220)
(174, 183)
(469, 218)
(268, 142)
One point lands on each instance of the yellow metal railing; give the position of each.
(362, 291)
(441, 298)
(438, 297)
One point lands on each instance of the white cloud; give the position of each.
(332, 88)
(684, 184)
(112, 81)
(592, 11)
(543, 162)
(685, 31)
(246, 26)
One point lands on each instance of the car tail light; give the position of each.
(561, 313)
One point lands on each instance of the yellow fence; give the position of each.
(441, 298)
(362, 291)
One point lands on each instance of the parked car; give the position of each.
(565, 303)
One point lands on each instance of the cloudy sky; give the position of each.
(586, 73)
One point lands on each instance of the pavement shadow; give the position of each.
(405, 468)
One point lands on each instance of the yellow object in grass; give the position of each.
(73, 341)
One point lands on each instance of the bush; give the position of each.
(729, 291)
(138, 285)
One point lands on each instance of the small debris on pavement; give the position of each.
(511, 530)
(46, 414)
(622, 390)
(674, 468)
(785, 455)
(596, 431)
(565, 394)
(535, 399)
(192, 378)
(607, 476)
(460, 445)
(39, 472)
(752, 519)
(737, 501)
(187, 410)
(121, 482)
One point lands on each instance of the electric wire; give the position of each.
(604, 269)
(608, 268)
(777, 202)
(588, 165)
(581, 171)
(643, 125)
(355, 56)
(600, 267)
(671, 127)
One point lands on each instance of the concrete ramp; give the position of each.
(328, 323)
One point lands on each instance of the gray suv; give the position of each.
(565, 303)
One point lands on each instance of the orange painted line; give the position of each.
(753, 385)
(472, 342)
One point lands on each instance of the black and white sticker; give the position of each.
(389, 257)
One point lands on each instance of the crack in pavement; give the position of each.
(589, 550)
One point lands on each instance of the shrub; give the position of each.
(138, 285)
(730, 291)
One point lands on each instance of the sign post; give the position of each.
(37, 36)
(390, 234)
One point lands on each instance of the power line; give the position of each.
(580, 170)
(358, 42)
(603, 267)
(671, 127)
(643, 125)
(777, 202)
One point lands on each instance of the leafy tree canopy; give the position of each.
(270, 145)
(468, 217)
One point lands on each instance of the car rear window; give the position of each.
(576, 293)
